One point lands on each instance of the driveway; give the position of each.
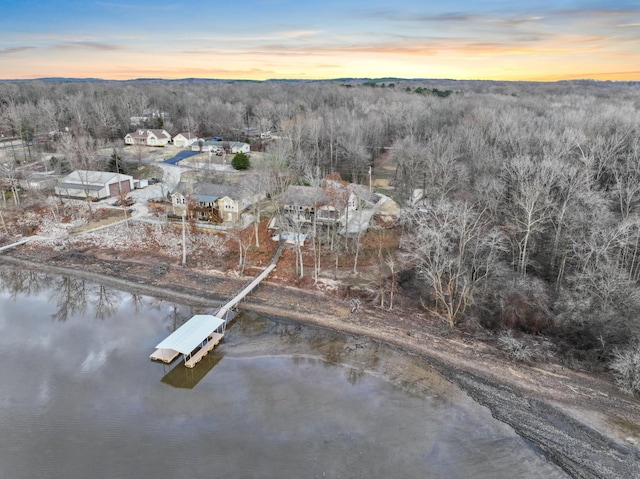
(181, 156)
(170, 179)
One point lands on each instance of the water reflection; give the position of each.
(356, 355)
(70, 297)
(181, 376)
(73, 296)
(19, 282)
(275, 400)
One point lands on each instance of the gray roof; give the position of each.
(221, 143)
(78, 186)
(207, 198)
(84, 177)
(144, 133)
(188, 135)
(205, 191)
(363, 192)
(304, 196)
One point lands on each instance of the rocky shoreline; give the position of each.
(579, 421)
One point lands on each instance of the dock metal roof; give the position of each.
(191, 334)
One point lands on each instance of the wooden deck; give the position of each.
(214, 339)
(164, 355)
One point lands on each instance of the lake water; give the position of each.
(80, 398)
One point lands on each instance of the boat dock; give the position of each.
(194, 339)
(200, 334)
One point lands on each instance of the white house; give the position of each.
(208, 145)
(239, 147)
(94, 185)
(148, 137)
(215, 146)
(185, 139)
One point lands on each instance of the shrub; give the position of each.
(240, 161)
(514, 347)
(626, 368)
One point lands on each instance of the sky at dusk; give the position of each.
(303, 39)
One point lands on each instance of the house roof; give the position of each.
(304, 196)
(206, 191)
(362, 192)
(220, 143)
(207, 198)
(87, 177)
(80, 186)
(315, 196)
(188, 135)
(146, 133)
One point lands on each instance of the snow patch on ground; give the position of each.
(140, 236)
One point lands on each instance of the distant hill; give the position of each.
(439, 82)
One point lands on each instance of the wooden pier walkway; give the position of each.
(224, 309)
(198, 336)
(17, 243)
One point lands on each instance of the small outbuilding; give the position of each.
(38, 182)
(95, 185)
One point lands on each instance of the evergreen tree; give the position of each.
(241, 161)
(116, 165)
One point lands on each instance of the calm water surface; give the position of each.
(80, 398)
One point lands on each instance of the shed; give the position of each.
(95, 185)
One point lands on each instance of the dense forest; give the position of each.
(530, 215)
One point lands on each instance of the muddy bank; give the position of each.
(579, 421)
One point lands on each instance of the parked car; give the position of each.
(124, 202)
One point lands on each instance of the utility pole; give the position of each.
(184, 239)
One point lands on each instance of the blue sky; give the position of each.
(260, 39)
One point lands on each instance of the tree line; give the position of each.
(528, 213)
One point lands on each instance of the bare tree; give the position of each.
(528, 203)
(449, 247)
(9, 175)
(244, 241)
(254, 186)
(410, 157)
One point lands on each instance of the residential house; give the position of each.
(239, 147)
(216, 146)
(212, 202)
(208, 146)
(185, 139)
(301, 204)
(350, 206)
(94, 185)
(148, 116)
(148, 137)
